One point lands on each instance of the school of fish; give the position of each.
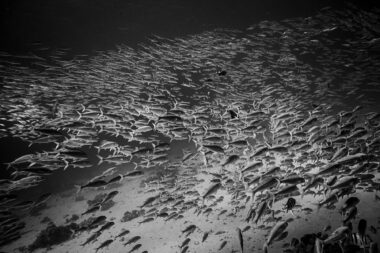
(234, 139)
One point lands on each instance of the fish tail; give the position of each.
(56, 145)
(265, 248)
(79, 188)
(100, 159)
(318, 205)
(301, 191)
(66, 164)
(10, 164)
(79, 115)
(101, 112)
(83, 107)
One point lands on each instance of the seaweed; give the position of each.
(73, 217)
(128, 216)
(45, 220)
(53, 235)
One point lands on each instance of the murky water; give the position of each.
(174, 117)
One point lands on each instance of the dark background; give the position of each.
(88, 25)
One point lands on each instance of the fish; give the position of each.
(205, 236)
(290, 203)
(188, 230)
(276, 231)
(222, 245)
(350, 214)
(147, 220)
(91, 238)
(184, 249)
(211, 190)
(97, 221)
(109, 196)
(104, 244)
(123, 233)
(240, 237)
(133, 240)
(231, 159)
(185, 242)
(265, 184)
(92, 209)
(92, 184)
(149, 200)
(260, 211)
(106, 226)
(350, 202)
(232, 97)
(134, 248)
(337, 235)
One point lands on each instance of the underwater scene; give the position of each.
(263, 139)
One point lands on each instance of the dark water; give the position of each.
(63, 59)
(85, 26)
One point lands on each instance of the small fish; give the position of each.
(109, 196)
(276, 231)
(184, 249)
(350, 202)
(373, 229)
(91, 238)
(222, 245)
(133, 240)
(149, 200)
(190, 229)
(337, 235)
(326, 228)
(240, 237)
(185, 242)
(122, 233)
(212, 189)
(231, 159)
(118, 178)
(136, 247)
(290, 204)
(106, 226)
(92, 184)
(205, 235)
(97, 221)
(92, 209)
(282, 236)
(147, 220)
(350, 214)
(104, 244)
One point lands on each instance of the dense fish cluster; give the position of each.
(222, 141)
